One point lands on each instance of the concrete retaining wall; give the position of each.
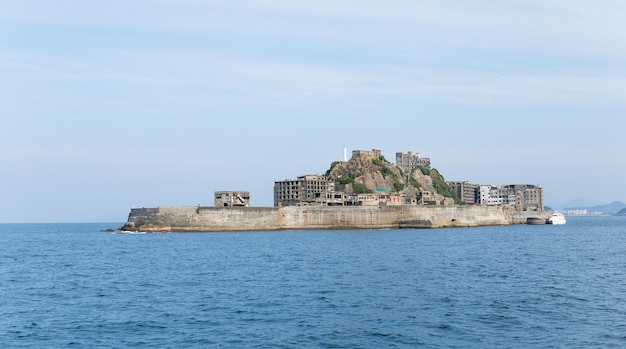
(167, 218)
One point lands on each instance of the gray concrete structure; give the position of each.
(232, 199)
(522, 197)
(375, 153)
(409, 162)
(467, 192)
(306, 190)
(167, 219)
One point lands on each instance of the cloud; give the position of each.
(192, 79)
(554, 26)
(275, 51)
(134, 55)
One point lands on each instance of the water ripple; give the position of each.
(522, 286)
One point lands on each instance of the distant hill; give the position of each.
(621, 212)
(613, 207)
(579, 202)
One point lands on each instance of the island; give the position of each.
(363, 192)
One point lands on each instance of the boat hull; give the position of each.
(557, 219)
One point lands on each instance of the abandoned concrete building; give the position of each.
(467, 192)
(519, 196)
(306, 190)
(525, 197)
(232, 199)
(409, 162)
(375, 153)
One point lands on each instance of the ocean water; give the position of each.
(73, 285)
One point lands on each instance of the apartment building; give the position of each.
(408, 162)
(467, 192)
(306, 190)
(524, 197)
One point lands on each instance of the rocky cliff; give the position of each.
(366, 172)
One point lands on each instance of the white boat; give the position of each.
(556, 218)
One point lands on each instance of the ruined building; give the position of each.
(409, 162)
(465, 191)
(232, 199)
(306, 190)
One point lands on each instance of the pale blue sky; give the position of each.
(108, 105)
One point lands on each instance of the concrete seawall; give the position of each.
(167, 218)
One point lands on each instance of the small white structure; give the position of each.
(557, 218)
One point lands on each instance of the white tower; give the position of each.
(345, 154)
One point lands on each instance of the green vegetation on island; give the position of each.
(368, 172)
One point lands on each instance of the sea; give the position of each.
(522, 286)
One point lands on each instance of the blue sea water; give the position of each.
(73, 285)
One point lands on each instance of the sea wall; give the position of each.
(167, 218)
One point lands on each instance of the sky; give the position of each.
(109, 105)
